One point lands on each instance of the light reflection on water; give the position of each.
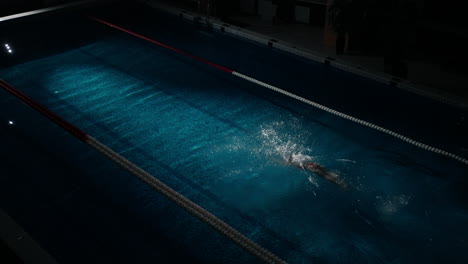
(245, 162)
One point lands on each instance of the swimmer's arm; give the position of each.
(333, 177)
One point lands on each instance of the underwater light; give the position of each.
(8, 48)
(11, 123)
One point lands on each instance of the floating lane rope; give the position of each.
(294, 96)
(156, 184)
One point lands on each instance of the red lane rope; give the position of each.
(190, 206)
(294, 96)
(46, 112)
(162, 45)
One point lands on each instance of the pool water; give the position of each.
(224, 143)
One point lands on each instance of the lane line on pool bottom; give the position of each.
(294, 96)
(190, 206)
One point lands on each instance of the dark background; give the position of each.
(398, 30)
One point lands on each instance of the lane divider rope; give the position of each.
(353, 119)
(294, 96)
(190, 206)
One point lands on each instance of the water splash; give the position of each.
(270, 147)
(285, 140)
(391, 204)
(313, 181)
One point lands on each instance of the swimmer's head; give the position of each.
(309, 166)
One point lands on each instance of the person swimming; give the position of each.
(319, 170)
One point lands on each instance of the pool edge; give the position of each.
(418, 89)
(21, 243)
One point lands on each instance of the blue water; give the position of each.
(223, 143)
(81, 207)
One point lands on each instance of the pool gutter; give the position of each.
(221, 26)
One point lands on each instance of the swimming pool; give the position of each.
(222, 142)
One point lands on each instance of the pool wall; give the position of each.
(387, 79)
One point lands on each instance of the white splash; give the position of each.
(313, 181)
(392, 204)
(286, 140)
(299, 158)
(274, 144)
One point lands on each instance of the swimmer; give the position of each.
(320, 171)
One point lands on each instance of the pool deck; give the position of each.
(431, 78)
(19, 246)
